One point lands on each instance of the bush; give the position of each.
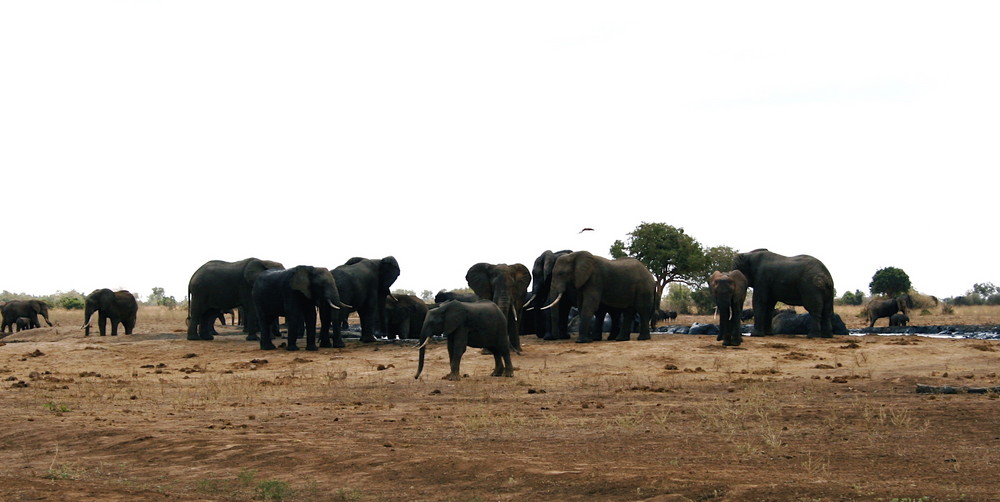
(890, 281)
(72, 303)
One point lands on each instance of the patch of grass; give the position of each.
(273, 490)
(347, 494)
(56, 408)
(61, 471)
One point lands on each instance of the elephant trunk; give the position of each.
(87, 314)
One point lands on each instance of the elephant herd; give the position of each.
(491, 318)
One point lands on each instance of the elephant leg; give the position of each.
(205, 326)
(625, 320)
(102, 323)
(129, 325)
(644, 329)
(513, 332)
(497, 363)
(265, 334)
(762, 308)
(588, 308)
(310, 326)
(553, 330)
(114, 326)
(367, 325)
(457, 342)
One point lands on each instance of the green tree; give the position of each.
(984, 289)
(669, 253)
(427, 295)
(719, 258)
(679, 298)
(855, 298)
(889, 281)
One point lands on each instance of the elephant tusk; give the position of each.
(424, 344)
(554, 302)
(525, 306)
(85, 326)
(346, 306)
(333, 305)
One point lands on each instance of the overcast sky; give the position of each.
(139, 139)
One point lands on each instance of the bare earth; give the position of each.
(153, 416)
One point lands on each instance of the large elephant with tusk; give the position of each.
(506, 286)
(364, 283)
(623, 285)
(293, 294)
(118, 306)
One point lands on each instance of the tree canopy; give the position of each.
(890, 281)
(669, 253)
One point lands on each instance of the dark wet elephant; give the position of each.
(468, 324)
(551, 324)
(898, 319)
(219, 285)
(792, 280)
(363, 283)
(729, 289)
(788, 322)
(878, 309)
(24, 308)
(443, 296)
(505, 285)
(118, 306)
(625, 284)
(293, 294)
(405, 315)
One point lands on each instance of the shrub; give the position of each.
(71, 303)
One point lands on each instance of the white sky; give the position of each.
(139, 139)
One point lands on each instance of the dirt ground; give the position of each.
(153, 416)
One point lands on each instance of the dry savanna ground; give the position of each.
(153, 416)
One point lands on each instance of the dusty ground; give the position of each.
(153, 416)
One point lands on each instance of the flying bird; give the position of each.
(588, 229)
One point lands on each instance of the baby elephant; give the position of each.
(480, 324)
(898, 319)
(24, 323)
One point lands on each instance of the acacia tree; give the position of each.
(890, 281)
(669, 253)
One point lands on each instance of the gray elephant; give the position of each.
(793, 280)
(878, 309)
(624, 284)
(550, 324)
(293, 294)
(787, 322)
(219, 285)
(505, 285)
(23, 323)
(480, 324)
(24, 308)
(443, 296)
(405, 315)
(363, 283)
(899, 319)
(729, 289)
(119, 306)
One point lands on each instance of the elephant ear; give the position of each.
(107, 299)
(583, 269)
(478, 278)
(388, 271)
(522, 277)
(300, 281)
(253, 269)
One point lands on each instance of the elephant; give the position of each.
(24, 308)
(119, 306)
(480, 324)
(443, 296)
(624, 283)
(886, 308)
(787, 322)
(899, 319)
(219, 285)
(505, 285)
(729, 289)
(363, 283)
(793, 280)
(23, 323)
(293, 294)
(405, 315)
(551, 325)
(746, 314)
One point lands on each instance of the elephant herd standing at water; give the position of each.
(264, 290)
